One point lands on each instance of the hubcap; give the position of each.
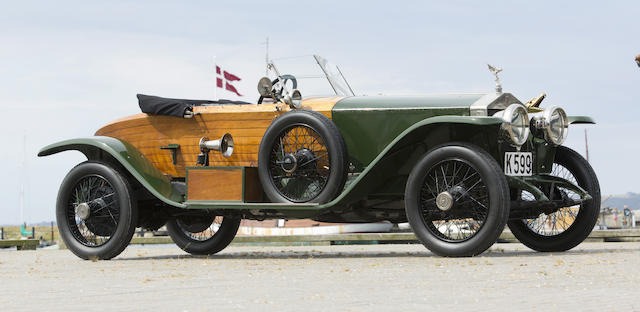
(289, 163)
(83, 211)
(444, 201)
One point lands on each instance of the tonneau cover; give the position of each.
(156, 105)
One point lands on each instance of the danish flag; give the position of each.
(224, 80)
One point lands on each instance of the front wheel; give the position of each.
(569, 226)
(95, 211)
(203, 235)
(456, 200)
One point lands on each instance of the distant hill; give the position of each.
(618, 201)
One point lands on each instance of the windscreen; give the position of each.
(334, 76)
(315, 75)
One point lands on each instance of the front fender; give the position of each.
(94, 148)
(358, 187)
(581, 120)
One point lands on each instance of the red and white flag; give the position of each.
(224, 80)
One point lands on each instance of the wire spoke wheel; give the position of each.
(568, 226)
(197, 229)
(454, 200)
(96, 211)
(299, 163)
(561, 220)
(204, 234)
(302, 159)
(93, 211)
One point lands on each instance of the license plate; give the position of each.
(518, 163)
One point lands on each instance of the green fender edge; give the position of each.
(581, 120)
(129, 157)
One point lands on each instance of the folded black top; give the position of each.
(156, 105)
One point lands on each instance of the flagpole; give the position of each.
(215, 80)
(266, 58)
(23, 178)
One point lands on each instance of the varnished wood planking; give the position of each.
(323, 105)
(252, 185)
(214, 184)
(246, 123)
(198, 123)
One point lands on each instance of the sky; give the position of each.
(69, 67)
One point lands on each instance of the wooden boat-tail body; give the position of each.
(247, 124)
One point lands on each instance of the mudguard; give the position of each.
(351, 191)
(581, 120)
(94, 148)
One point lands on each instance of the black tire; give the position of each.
(319, 160)
(203, 235)
(480, 200)
(566, 160)
(112, 217)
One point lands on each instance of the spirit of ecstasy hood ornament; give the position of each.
(495, 72)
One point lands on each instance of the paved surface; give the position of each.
(594, 276)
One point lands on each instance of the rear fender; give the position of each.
(101, 148)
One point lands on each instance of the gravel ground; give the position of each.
(593, 276)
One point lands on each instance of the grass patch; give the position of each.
(13, 232)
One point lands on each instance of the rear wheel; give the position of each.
(95, 212)
(456, 200)
(203, 235)
(569, 226)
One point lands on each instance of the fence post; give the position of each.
(52, 231)
(33, 232)
(2, 233)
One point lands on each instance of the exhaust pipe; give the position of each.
(224, 145)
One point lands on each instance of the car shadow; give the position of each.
(293, 254)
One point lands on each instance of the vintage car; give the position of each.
(457, 167)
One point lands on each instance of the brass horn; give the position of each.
(224, 145)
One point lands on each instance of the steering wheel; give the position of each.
(279, 87)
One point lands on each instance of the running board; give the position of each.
(215, 204)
